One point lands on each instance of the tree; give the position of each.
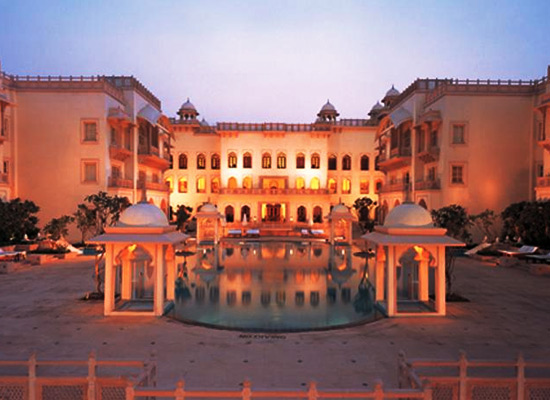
(364, 205)
(485, 222)
(100, 211)
(183, 213)
(17, 219)
(58, 227)
(455, 219)
(528, 220)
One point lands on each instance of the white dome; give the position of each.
(339, 209)
(188, 106)
(377, 106)
(409, 215)
(392, 92)
(328, 107)
(143, 214)
(209, 207)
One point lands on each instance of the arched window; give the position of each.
(317, 214)
(422, 203)
(300, 183)
(201, 184)
(247, 160)
(300, 161)
(266, 161)
(315, 183)
(301, 214)
(229, 214)
(332, 185)
(201, 161)
(397, 203)
(247, 182)
(364, 163)
(346, 163)
(376, 168)
(182, 161)
(171, 161)
(346, 186)
(215, 185)
(182, 185)
(364, 186)
(315, 161)
(232, 183)
(378, 187)
(281, 161)
(245, 211)
(332, 161)
(169, 184)
(215, 161)
(232, 160)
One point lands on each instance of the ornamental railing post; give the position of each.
(92, 366)
(32, 376)
(521, 377)
(180, 390)
(312, 393)
(463, 375)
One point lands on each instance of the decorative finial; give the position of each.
(188, 99)
(143, 194)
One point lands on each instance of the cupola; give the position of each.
(328, 113)
(390, 96)
(187, 111)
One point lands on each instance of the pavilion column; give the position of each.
(170, 278)
(350, 231)
(126, 283)
(331, 231)
(423, 283)
(109, 303)
(380, 272)
(199, 230)
(440, 282)
(216, 232)
(158, 306)
(391, 295)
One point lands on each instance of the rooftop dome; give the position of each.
(377, 106)
(409, 215)
(340, 209)
(209, 207)
(143, 214)
(188, 106)
(328, 107)
(392, 92)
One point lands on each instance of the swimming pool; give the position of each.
(274, 286)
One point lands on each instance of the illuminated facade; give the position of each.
(63, 138)
(467, 142)
(273, 172)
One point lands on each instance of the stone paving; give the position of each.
(39, 310)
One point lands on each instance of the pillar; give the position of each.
(440, 282)
(109, 301)
(170, 276)
(126, 284)
(391, 295)
(349, 234)
(423, 280)
(158, 306)
(380, 272)
(216, 232)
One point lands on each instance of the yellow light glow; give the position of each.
(132, 247)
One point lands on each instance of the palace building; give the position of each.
(273, 172)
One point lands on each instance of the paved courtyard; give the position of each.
(39, 310)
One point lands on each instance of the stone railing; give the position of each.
(274, 191)
(161, 187)
(4, 179)
(543, 181)
(428, 185)
(121, 183)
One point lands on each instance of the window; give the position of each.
(155, 178)
(247, 160)
(300, 161)
(300, 183)
(332, 185)
(457, 174)
(364, 186)
(169, 184)
(315, 183)
(346, 163)
(4, 128)
(116, 172)
(266, 161)
(407, 138)
(247, 182)
(229, 214)
(346, 186)
(215, 161)
(182, 161)
(421, 134)
(281, 161)
(431, 174)
(540, 170)
(459, 134)
(201, 161)
(201, 185)
(171, 161)
(301, 214)
(182, 185)
(232, 160)
(433, 139)
(364, 163)
(128, 138)
(232, 183)
(393, 139)
(332, 161)
(155, 137)
(378, 187)
(317, 215)
(89, 171)
(90, 132)
(315, 161)
(215, 185)
(376, 161)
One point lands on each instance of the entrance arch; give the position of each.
(245, 211)
(301, 214)
(229, 214)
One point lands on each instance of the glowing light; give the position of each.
(132, 247)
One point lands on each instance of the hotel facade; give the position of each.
(483, 144)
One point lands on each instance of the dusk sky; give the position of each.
(257, 61)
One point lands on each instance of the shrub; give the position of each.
(364, 205)
(58, 227)
(17, 219)
(528, 220)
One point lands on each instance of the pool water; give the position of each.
(274, 286)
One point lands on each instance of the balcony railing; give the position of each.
(119, 152)
(395, 187)
(262, 191)
(4, 179)
(150, 156)
(161, 187)
(428, 185)
(430, 154)
(543, 181)
(120, 183)
(399, 157)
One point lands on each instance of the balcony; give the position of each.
(4, 179)
(161, 187)
(399, 157)
(120, 183)
(260, 191)
(544, 141)
(543, 181)
(542, 189)
(119, 152)
(395, 187)
(428, 185)
(429, 155)
(150, 157)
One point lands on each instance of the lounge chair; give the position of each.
(317, 232)
(253, 233)
(12, 255)
(235, 232)
(539, 257)
(305, 233)
(521, 252)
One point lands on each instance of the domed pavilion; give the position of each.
(408, 270)
(140, 261)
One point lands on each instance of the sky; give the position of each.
(277, 61)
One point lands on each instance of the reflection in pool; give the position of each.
(274, 286)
